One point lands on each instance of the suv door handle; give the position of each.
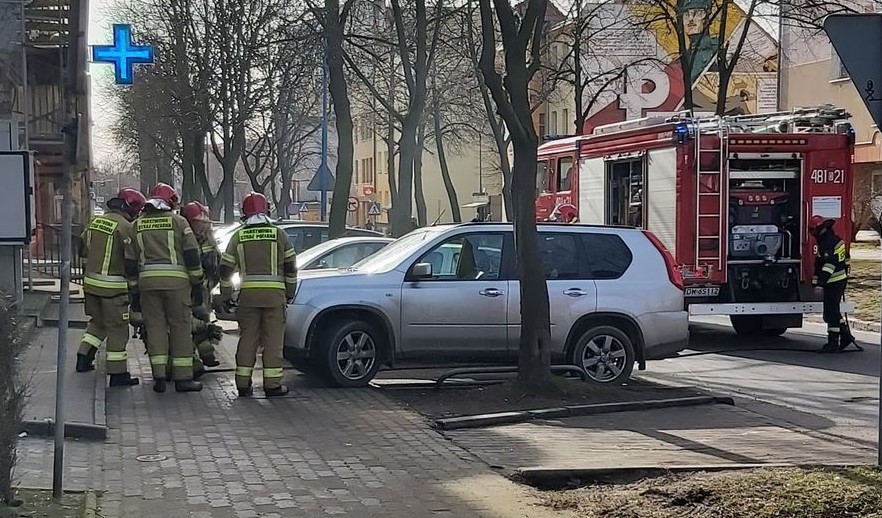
(491, 292)
(575, 292)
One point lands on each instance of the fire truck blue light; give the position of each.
(123, 54)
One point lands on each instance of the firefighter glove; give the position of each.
(201, 312)
(196, 295)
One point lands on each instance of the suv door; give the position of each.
(571, 292)
(461, 310)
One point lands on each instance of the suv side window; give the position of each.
(560, 256)
(608, 256)
(467, 257)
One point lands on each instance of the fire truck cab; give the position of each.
(730, 198)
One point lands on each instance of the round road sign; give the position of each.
(352, 204)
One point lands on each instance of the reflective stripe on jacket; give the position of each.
(104, 244)
(832, 261)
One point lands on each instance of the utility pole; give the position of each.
(323, 170)
(76, 35)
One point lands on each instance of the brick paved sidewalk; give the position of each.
(317, 452)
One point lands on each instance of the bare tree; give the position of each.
(521, 40)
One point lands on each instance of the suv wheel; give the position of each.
(606, 354)
(351, 354)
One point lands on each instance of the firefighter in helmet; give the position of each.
(106, 285)
(265, 259)
(565, 213)
(206, 336)
(170, 288)
(831, 276)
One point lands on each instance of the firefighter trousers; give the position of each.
(167, 319)
(260, 328)
(108, 320)
(833, 293)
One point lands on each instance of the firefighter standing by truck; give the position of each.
(106, 286)
(265, 258)
(169, 282)
(206, 336)
(831, 276)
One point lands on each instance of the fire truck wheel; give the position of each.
(606, 353)
(752, 325)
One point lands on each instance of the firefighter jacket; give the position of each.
(265, 258)
(832, 261)
(104, 244)
(166, 251)
(210, 259)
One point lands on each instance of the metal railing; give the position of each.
(46, 255)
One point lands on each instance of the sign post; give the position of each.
(857, 39)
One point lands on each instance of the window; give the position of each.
(625, 192)
(542, 174)
(560, 255)
(608, 256)
(564, 173)
(369, 171)
(469, 257)
(565, 122)
(346, 256)
(542, 126)
(837, 69)
(356, 173)
(554, 123)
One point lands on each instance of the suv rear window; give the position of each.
(608, 256)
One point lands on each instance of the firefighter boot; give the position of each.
(276, 391)
(123, 380)
(846, 339)
(246, 392)
(187, 386)
(832, 344)
(159, 385)
(210, 361)
(86, 362)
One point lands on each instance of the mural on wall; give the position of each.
(654, 80)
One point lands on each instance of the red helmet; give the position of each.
(254, 203)
(816, 223)
(195, 211)
(565, 213)
(132, 200)
(166, 193)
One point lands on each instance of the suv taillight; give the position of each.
(673, 271)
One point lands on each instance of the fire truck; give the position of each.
(729, 197)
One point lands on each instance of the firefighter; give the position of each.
(264, 255)
(831, 276)
(205, 337)
(170, 288)
(565, 214)
(106, 286)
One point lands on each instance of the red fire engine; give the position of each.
(729, 197)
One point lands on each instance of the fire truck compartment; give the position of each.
(764, 308)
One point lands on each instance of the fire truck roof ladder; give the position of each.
(711, 203)
(818, 119)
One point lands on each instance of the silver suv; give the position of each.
(451, 292)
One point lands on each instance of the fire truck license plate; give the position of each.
(703, 291)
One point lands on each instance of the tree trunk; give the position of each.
(390, 169)
(188, 180)
(455, 213)
(534, 356)
(418, 193)
(199, 191)
(403, 213)
(342, 117)
(228, 189)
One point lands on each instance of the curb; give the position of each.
(855, 323)
(72, 430)
(482, 420)
(90, 505)
(556, 477)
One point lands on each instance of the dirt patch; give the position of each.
(506, 397)
(39, 504)
(763, 493)
(863, 289)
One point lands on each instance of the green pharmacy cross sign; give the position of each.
(123, 54)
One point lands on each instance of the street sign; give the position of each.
(352, 204)
(374, 209)
(315, 185)
(367, 190)
(99, 199)
(857, 39)
(123, 54)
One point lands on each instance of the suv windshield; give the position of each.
(397, 251)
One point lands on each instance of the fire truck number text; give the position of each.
(828, 176)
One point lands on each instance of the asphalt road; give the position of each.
(783, 377)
